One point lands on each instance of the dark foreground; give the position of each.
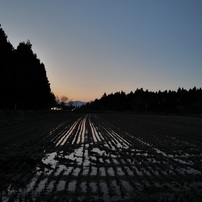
(100, 157)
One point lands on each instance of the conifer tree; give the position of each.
(23, 80)
(6, 59)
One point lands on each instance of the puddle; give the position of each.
(189, 170)
(115, 187)
(50, 185)
(129, 171)
(98, 152)
(107, 161)
(120, 171)
(83, 186)
(104, 189)
(72, 186)
(76, 171)
(115, 161)
(41, 185)
(64, 138)
(183, 162)
(85, 171)
(49, 159)
(126, 186)
(68, 170)
(142, 154)
(95, 133)
(137, 171)
(61, 185)
(93, 171)
(76, 155)
(110, 171)
(138, 186)
(30, 186)
(93, 187)
(60, 168)
(102, 171)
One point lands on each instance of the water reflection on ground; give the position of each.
(93, 159)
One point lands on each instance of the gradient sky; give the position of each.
(94, 46)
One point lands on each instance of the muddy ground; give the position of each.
(100, 157)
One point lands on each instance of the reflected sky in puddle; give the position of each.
(68, 170)
(76, 171)
(61, 185)
(102, 171)
(93, 171)
(83, 186)
(41, 185)
(102, 167)
(93, 187)
(104, 188)
(120, 171)
(72, 186)
(50, 159)
(110, 171)
(98, 151)
(50, 185)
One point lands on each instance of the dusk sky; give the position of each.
(90, 47)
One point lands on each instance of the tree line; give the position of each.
(144, 101)
(23, 80)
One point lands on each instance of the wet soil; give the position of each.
(102, 157)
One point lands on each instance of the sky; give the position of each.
(92, 47)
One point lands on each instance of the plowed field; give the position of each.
(92, 157)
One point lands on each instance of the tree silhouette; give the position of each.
(6, 59)
(24, 84)
(140, 101)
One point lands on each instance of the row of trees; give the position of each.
(23, 80)
(143, 101)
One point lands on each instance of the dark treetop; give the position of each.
(140, 101)
(23, 80)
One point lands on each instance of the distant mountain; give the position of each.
(76, 103)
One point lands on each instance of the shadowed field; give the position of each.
(101, 157)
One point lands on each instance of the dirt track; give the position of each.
(107, 157)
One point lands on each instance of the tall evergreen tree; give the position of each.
(6, 59)
(23, 80)
(31, 80)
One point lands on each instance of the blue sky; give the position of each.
(94, 46)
